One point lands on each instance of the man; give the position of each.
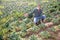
(38, 15)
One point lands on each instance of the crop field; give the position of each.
(15, 26)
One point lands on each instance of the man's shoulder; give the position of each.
(35, 9)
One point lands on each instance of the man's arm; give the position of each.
(31, 14)
(41, 12)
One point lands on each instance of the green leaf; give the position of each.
(45, 34)
(33, 37)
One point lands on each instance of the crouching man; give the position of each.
(38, 15)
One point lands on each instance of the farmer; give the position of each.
(38, 15)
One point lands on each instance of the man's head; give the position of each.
(38, 6)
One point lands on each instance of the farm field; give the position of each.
(15, 26)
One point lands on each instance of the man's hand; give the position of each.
(26, 15)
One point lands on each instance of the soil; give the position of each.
(48, 25)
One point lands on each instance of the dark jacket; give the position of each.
(36, 13)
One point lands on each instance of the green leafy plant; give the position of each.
(22, 34)
(1, 37)
(52, 29)
(52, 10)
(45, 34)
(42, 26)
(55, 21)
(29, 25)
(26, 20)
(59, 26)
(23, 26)
(33, 37)
(10, 12)
(14, 36)
(35, 28)
(48, 19)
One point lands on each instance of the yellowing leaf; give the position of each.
(1, 6)
(1, 13)
(45, 1)
(4, 31)
(32, 3)
(4, 20)
(56, 27)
